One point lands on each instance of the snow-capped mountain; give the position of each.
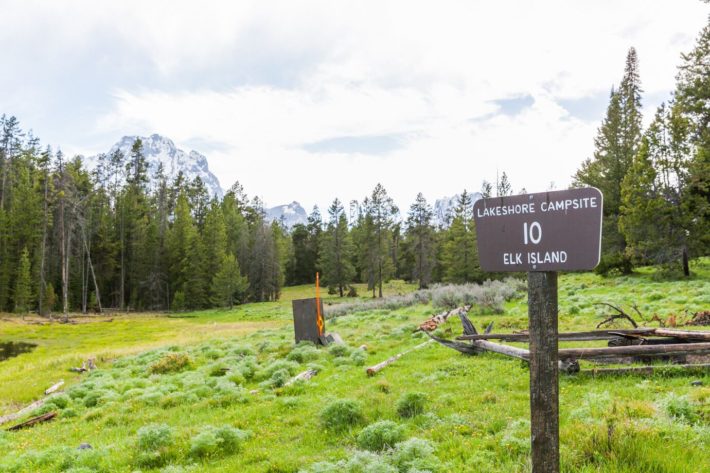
(291, 214)
(444, 207)
(159, 149)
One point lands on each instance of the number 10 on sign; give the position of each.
(535, 232)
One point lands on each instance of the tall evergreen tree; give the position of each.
(337, 249)
(228, 284)
(616, 145)
(503, 187)
(379, 220)
(420, 233)
(180, 241)
(460, 253)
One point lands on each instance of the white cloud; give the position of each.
(261, 80)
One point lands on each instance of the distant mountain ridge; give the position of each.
(290, 214)
(444, 208)
(159, 149)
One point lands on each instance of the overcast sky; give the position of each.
(308, 101)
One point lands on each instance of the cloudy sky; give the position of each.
(309, 100)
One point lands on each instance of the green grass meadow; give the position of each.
(204, 391)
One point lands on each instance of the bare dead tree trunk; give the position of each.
(91, 269)
(62, 255)
(122, 300)
(65, 276)
(45, 223)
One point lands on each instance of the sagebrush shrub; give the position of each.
(243, 350)
(154, 436)
(678, 408)
(339, 350)
(170, 363)
(358, 357)
(217, 441)
(60, 401)
(415, 455)
(153, 445)
(92, 399)
(341, 415)
(380, 435)
(289, 366)
(303, 352)
(411, 404)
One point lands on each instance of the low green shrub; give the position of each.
(247, 367)
(359, 462)
(60, 401)
(342, 415)
(92, 399)
(303, 352)
(243, 350)
(217, 369)
(170, 363)
(679, 408)
(153, 445)
(77, 392)
(214, 442)
(339, 350)
(411, 404)
(358, 357)
(289, 367)
(415, 455)
(380, 435)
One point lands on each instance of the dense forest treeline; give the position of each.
(115, 237)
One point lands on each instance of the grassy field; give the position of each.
(204, 392)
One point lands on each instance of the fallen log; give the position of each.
(635, 350)
(54, 387)
(566, 366)
(372, 370)
(515, 352)
(684, 334)
(645, 370)
(33, 421)
(29, 408)
(305, 376)
(88, 365)
(585, 336)
(433, 322)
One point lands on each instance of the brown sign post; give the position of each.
(541, 234)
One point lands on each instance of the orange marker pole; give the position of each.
(319, 319)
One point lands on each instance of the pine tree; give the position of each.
(215, 240)
(616, 145)
(420, 232)
(653, 218)
(486, 189)
(460, 253)
(228, 284)
(380, 212)
(181, 238)
(503, 187)
(337, 249)
(302, 267)
(197, 279)
(23, 285)
(693, 100)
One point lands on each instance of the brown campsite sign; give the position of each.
(547, 231)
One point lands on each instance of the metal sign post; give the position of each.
(541, 234)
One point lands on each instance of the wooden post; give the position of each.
(544, 388)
